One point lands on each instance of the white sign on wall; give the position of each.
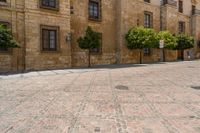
(162, 43)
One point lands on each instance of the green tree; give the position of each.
(140, 38)
(91, 40)
(170, 41)
(6, 39)
(184, 42)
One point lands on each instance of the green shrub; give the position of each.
(6, 39)
(184, 42)
(140, 37)
(91, 40)
(170, 41)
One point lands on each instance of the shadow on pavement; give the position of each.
(109, 66)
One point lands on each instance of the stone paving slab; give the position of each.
(146, 126)
(150, 98)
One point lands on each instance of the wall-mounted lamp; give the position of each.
(68, 37)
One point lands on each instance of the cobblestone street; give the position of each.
(148, 98)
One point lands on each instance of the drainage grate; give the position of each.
(97, 129)
(191, 67)
(196, 87)
(192, 117)
(121, 87)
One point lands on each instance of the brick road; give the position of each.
(149, 98)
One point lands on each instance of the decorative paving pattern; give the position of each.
(151, 98)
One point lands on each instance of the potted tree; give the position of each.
(184, 42)
(140, 38)
(6, 39)
(170, 41)
(91, 40)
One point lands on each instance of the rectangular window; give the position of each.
(180, 6)
(193, 9)
(147, 51)
(5, 25)
(49, 4)
(49, 38)
(97, 50)
(94, 9)
(181, 26)
(148, 20)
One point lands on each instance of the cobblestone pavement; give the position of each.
(151, 98)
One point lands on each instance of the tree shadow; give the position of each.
(101, 67)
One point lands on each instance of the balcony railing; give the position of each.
(169, 2)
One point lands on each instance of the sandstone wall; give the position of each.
(131, 14)
(196, 33)
(133, 56)
(171, 55)
(106, 26)
(171, 18)
(12, 13)
(34, 18)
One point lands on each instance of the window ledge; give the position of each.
(95, 20)
(168, 5)
(193, 15)
(182, 13)
(50, 8)
(50, 52)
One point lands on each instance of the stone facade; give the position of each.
(131, 13)
(12, 13)
(170, 17)
(72, 17)
(25, 19)
(106, 26)
(196, 32)
(34, 18)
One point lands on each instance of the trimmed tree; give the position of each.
(169, 40)
(140, 38)
(91, 40)
(184, 42)
(6, 39)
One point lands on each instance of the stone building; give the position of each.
(40, 27)
(47, 30)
